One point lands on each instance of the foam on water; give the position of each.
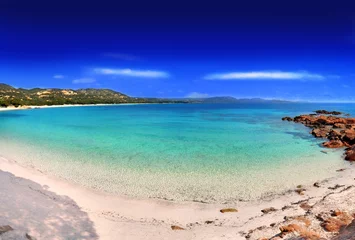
(211, 153)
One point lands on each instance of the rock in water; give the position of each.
(350, 154)
(339, 130)
(287, 119)
(333, 144)
(320, 132)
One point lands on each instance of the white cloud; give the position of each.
(122, 56)
(197, 95)
(58, 76)
(131, 73)
(84, 80)
(265, 75)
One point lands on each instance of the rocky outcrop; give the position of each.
(350, 154)
(333, 144)
(327, 112)
(287, 119)
(340, 131)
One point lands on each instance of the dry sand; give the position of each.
(50, 208)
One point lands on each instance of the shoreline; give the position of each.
(114, 216)
(64, 106)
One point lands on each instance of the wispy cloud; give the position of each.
(197, 95)
(84, 80)
(121, 56)
(58, 76)
(265, 75)
(132, 73)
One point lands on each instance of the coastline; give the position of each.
(116, 216)
(64, 106)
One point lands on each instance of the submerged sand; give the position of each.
(46, 207)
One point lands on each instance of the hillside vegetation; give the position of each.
(38, 97)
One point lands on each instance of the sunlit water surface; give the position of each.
(194, 152)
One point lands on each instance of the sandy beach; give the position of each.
(43, 203)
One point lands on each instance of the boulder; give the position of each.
(333, 144)
(339, 125)
(320, 132)
(334, 135)
(338, 222)
(349, 137)
(350, 121)
(346, 233)
(350, 154)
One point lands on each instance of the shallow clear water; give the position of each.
(202, 152)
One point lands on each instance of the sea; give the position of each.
(212, 153)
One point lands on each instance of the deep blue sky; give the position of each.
(299, 50)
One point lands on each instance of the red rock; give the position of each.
(324, 126)
(334, 224)
(335, 135)
(339, 125)
(349, 136)
(350, 154)
(346, 233)
(320, 132)
(333, 144)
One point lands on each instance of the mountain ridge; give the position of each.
(11, 96)
(56, 96)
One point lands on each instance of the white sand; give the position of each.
(118, 217)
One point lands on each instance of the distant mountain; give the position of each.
(38, 96)
(54, 96)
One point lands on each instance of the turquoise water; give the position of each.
(200, 152)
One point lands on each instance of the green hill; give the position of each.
(38, 97)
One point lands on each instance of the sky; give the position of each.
(292, 50)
